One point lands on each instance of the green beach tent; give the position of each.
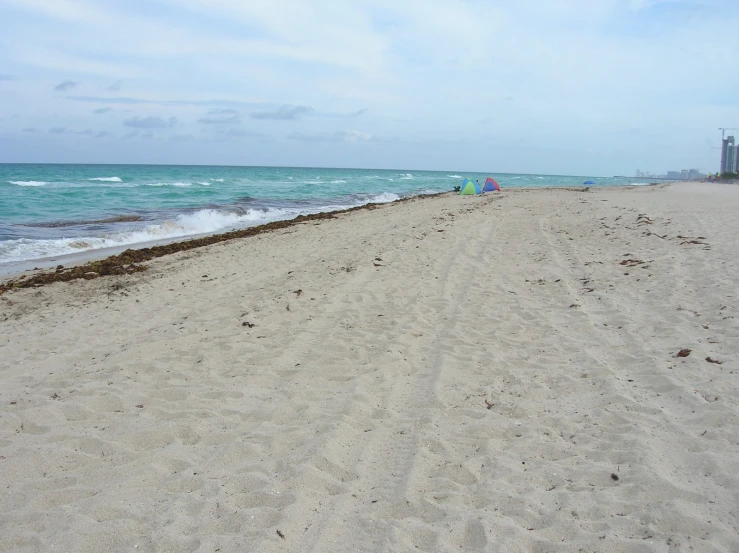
(469, 187)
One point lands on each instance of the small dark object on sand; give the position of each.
(631, 262)
(281, 534)
(715, 361)
(614, 476)
(683, 352)
(247, 323)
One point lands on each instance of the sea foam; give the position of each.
(107, 179)
(180, 184)
(204, 221)
(385, 197)
(28, 182)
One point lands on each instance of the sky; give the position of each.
(577, 87)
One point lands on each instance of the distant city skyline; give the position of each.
(682, 174)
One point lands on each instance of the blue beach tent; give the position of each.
(491, 185)
(469, 187)
(589, 182)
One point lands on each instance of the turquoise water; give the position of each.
(51, 210)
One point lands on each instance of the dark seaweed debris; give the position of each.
(128, 262)
(116, 265)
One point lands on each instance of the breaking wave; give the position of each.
(204, 221)
(28, 182)
(385, 197)
(180, 184)
(107, 179)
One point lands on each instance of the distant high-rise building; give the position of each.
(730, 159)
(736, 160)
(728, 155)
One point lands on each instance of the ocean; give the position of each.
(48, 211)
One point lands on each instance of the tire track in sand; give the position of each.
(366, 517)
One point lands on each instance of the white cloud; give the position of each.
(283, 113)
(338, 136)
(64, 10)
(355, 136)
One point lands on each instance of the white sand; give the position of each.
(458, 374)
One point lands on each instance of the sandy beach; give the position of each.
(487, 373)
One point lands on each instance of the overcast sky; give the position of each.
(599, 87)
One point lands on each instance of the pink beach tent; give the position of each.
(490, 185)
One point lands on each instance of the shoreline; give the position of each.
(96, 263)
(116, 260)
(14, 271)
(10, 269)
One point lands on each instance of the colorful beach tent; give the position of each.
(469, 187)
(490, 185)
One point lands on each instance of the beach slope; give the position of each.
(535, 370)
